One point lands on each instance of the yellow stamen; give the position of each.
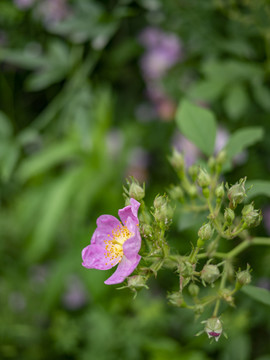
(114, 245)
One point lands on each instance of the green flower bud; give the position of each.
(176, 193)
(137, 281)
(160, 201)
(186, 269)
(221, 157)
(251, 216)
(146, 230)
(193, 289)
(212, 164)
(229, 215)
(192, 191)
(243, 277)
(193, 171)
(226, 294)
(220, 191)
(210, 273)
(213, 328)
(136, 191)
(205, 232)
(237, 193)
(176, 299)
(203, 179)
(163, 211)
(177, 161)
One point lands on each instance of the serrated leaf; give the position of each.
(256, 293)
(258, 187)
(242, 139)
(198, 125)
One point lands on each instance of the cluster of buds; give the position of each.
(224, 222)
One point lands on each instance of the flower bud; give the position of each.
(176, 299)
(210, 273)
(205, 232)
(213, 328)
(251, 216)
(193, 171)
(136, 191)
(147, 230)
(237, 193)
(177, 161)
(137, 281)
(243, 277)
(221, 157)
(212, 164)
(229, 215)
(163, 211)
(226, 294)
(193, 289)
(186, 269)
(192, 191)
(176, 193)
(203, 179)
(220, 191)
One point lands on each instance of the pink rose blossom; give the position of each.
(115, 242)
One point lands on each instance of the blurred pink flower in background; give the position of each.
(222, 138)
(51, 11)
(139, 160)
(192, 153)
(163, 50)
(183, 145)
(114, 142)
(75, 295)
(24, 4)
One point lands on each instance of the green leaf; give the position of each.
(256, 293)
(207, 90)
(259, 187)
(6, 129)
(53, 206)
(47, 158)
(198, 125)
(236, 101)
(242, 139)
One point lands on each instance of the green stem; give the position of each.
(194, 254)
(221, 287)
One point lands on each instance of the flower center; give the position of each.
(114, 244)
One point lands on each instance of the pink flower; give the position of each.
(115, 243)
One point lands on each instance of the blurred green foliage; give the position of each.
(70, 132)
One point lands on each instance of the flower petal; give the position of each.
(130, 211)
(124, 269)
(132, 246)
(94, 258)
(105, 225)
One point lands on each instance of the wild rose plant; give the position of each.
(229, 217)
